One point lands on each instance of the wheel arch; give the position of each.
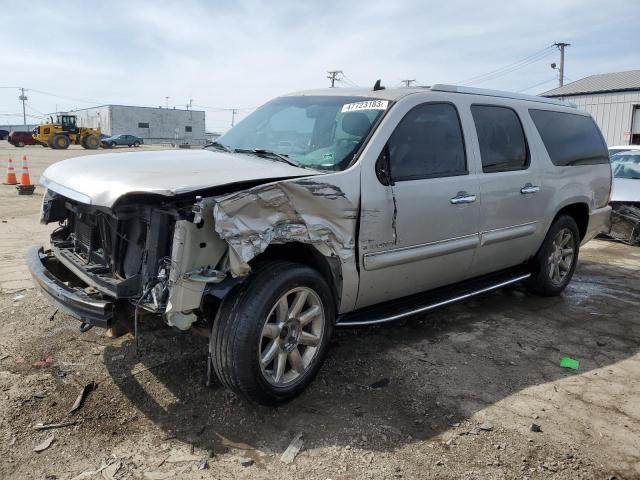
(579, 211)
(329, 267)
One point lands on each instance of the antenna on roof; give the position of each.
(377, 86)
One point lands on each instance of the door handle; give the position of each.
(529, 188)
(463, 197)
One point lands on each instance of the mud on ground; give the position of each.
(449, 395)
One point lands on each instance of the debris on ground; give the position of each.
(44, 445)
(535, 428)
(51, 426)
(293, 449)
(246, 461)
(383, 382)
(43, 362)
(625, 224)
(567, 362)
(486, 426)
(19, 297)
(86, 390)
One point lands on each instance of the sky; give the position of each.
(238, 54)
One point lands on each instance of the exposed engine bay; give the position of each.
(147, 252)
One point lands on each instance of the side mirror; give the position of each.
(383, 168)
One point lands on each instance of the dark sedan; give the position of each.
(121, 140)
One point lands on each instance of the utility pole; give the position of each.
(23, 99)
(561, 47)
(166, 102)
(233, 116)
(407, 83)
(334, 75)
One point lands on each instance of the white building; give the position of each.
(154, 125)
(612, 99)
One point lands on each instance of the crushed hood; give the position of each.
(102, 179)
(625, 190)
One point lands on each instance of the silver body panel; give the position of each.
(102, 179)
(625, 190)
(389, 241)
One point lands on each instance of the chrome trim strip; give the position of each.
(435, 305)
(414, 253)
(507, 233)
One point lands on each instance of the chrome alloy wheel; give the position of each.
(291, 336)
(561, 257)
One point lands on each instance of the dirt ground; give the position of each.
(452, 394)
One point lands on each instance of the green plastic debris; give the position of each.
(566, 362)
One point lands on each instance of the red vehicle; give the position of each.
(20, 139)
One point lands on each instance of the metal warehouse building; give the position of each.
(613, 99)
(154, 125)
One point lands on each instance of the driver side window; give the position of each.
(427, 143)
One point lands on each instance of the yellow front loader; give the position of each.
(64, 132)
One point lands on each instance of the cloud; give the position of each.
(239, 54)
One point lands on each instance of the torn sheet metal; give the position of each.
(307, 211)
(625, 223)
(196, 248)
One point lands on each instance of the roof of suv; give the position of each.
(397, 93)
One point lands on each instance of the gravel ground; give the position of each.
(452, 394)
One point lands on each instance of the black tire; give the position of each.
(60, 142)
(112, 144)
(237, 337)
(136, 144)
(545, 280)
(20, 144)
(91, 142)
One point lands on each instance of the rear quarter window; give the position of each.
(570, 139)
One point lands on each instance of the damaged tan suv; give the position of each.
(321, 209)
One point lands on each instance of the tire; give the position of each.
(555, 262)
(247, 329)
(112, 145)
(60, 142)
(91, 142)
(20, 144)
(136, 144)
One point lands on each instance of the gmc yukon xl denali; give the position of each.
(320, 209)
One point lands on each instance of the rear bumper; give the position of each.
(599, 222)
(53, 278)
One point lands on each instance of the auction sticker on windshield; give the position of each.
(367, 105)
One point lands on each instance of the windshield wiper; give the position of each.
(217, 145)
(267, 153)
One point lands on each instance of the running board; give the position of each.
(423, 302)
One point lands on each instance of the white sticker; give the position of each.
(368, 105)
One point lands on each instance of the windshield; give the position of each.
(626, 166)
(321, 132)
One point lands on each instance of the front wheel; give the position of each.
(136, 144)
(555, 262)
(271, 334)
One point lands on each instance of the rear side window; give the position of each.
(502, 143)
(570, 139)
(427, 143)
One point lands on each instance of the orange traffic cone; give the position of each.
(25, 187)
(11, 174)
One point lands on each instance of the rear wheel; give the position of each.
(271, 334)
(555, 262)
(60, 142)
(91, 142)
(20, 144)
(136, 144)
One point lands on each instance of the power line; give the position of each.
(528, 60)
(537, 84)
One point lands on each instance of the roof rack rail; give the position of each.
(441, 87)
